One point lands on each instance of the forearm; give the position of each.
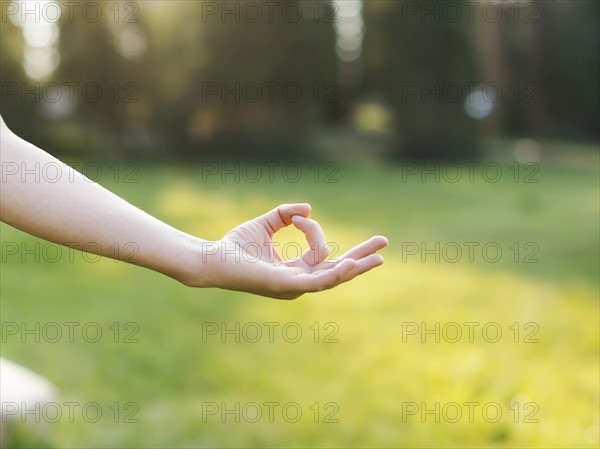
(79, 213)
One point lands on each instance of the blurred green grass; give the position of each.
(370, 372)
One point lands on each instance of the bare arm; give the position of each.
(75, 211)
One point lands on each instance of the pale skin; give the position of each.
(75, 211)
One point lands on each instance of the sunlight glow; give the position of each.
(38, 22)
(349, 28)
(477, 105)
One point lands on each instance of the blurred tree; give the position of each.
(99, 91)
(108, 62)
(247, 83)
(17, 109)
(420, 65)
(553, 59)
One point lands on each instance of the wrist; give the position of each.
(197, 268)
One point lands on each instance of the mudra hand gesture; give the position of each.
(246, 258)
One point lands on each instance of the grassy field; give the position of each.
(359, 372)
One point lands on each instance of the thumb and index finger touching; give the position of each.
(358, 260)
(297, 214)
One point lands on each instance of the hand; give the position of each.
(245, 259)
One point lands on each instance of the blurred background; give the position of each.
(438, 124)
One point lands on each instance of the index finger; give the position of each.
(281, 216)
(317, 251)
